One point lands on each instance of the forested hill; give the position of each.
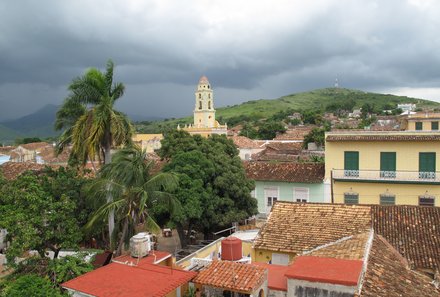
(316, 100)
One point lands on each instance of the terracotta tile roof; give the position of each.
(414, 231)
(294, 134)
(154, 257)
(34, 145)
(117, 279)
(285, 147)
(265, 157)
(6, 149)
(349, 248)
(299, 227)
(326, 270)
(277, 279)
(11, 170)
(244, 142)
(232, 276)
(388, 275)
(48, 155)
(383, 137)
(285, 171)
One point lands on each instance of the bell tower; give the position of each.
(204, 112)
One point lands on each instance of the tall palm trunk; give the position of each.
(111, 215)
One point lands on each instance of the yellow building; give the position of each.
(366, 167)
(421, 122)
(148, 142)
(204, 112)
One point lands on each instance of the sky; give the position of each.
(248, 49)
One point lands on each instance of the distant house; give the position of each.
(247, 147)
(27, 152)
(148, 142)
(279, 151)
(344, 250)
(355, 114)
(286, 181)
(406, 106)
(297, 133)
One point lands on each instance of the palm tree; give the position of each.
(129, 178)
(91, 124)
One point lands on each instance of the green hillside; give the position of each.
(313, 100)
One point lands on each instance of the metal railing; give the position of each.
(399, 175)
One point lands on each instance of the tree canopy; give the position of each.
(213, 188)
(42, 211)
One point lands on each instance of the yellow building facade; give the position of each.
(421, 122)
(204, 112)
(366, 167)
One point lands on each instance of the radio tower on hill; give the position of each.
(336, 83)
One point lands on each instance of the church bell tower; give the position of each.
(204, 112)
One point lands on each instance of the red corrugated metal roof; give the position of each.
(118, 279)
(326, 270)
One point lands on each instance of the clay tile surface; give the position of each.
(388, 275)
(244, 142)
(294, 134)
(117, 279)
(414, 231)
(34, 145)
(326, 270)
(349, 248)
(232, 276)
(383, 137)
(299, 227)
(285, 171)
(47, 153)
(11, 170)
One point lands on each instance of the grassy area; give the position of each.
(313, 100)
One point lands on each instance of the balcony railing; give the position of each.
(379, 175)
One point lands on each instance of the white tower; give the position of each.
(204, 112)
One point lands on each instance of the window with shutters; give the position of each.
(419, 126)
(426, 200)
(301, 194)
(427, 165)
(280, 259)
(351, 198)
(270, 196)
(387, 199)
(351, 164)
(388, 164)
(434, 125)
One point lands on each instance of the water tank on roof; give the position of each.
(231, 249)
(140, 245)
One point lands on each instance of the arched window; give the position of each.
(200, 96)
(209, 104)
(200, 104)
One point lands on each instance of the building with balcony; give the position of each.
(366, 167)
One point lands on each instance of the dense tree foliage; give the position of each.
(316, 135)
(31, 286)
(213, 188)
(42, 211)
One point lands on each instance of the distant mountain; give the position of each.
(37, 124)
(40, 124)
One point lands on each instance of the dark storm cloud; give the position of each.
(248, 51)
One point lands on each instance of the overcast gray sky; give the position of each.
(248, 49)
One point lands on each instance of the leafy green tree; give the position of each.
(249, 131)
(213, 189)
(67, 268)
(316, 135)
(269, 130)
(128, 178)
(31, 286)
(37, 216)
(91, 123)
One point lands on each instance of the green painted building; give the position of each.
(286, 181)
